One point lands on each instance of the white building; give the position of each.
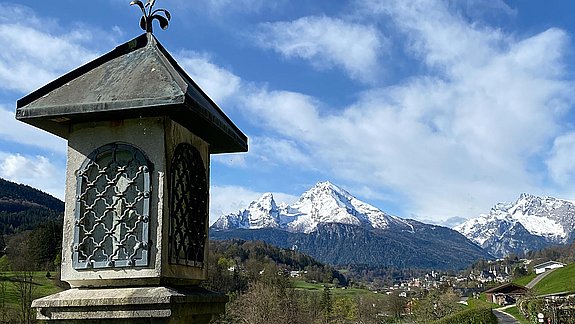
(549, 265)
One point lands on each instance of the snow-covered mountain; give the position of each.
(333, 226)
(324, 203)
(530, 223)
(262, 213)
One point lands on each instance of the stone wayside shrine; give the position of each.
(140, 133)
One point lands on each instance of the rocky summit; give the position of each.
(528, 224)
(324, 203)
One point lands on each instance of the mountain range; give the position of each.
(331, 225)
(530, 223)
(324, 203)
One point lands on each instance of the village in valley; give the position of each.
(513, 285)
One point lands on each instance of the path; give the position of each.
(504, 318)
(535, 280)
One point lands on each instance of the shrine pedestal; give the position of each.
(131, 305)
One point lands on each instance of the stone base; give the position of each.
(131, 305)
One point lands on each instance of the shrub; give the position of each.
(470, 316)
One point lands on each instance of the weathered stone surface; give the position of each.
(131, 305)
(157, 137)
(137, 79)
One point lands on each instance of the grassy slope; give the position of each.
(481, 303)
(560, 280)
(348, 292)
(42, 287)
(513, 311)
(523, 281)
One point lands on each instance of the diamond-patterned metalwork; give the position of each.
(112, 209)
(188, 207)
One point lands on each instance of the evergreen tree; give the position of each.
(326, 304)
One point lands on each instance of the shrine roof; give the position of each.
(136, 79)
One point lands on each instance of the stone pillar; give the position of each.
(140, 134)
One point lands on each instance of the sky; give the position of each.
(433, 110)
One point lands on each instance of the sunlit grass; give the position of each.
(514, 311)
(560, 280)
(480, 303)
(523, 281)
(43, 286)
(338, 291)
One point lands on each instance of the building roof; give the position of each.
(506, 289)
(136, 79)
(548, 263)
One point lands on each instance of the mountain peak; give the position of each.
(529, 223)
(326, 185)
(323, 203)
(265, 202)
(524, 196)
(261, 213)
(326, 190)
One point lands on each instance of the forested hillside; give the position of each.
(264, 284)
(562, 253)
(17, 197)
(233, 264)
(427, 247)
(24, 208)
(31, 227)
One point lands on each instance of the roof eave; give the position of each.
(190, 106)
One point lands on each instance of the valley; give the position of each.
(329, 256)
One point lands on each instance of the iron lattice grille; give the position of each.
(112, 209)
(189, 207)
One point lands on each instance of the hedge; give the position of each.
(470, 316)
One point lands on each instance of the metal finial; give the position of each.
(151, 14)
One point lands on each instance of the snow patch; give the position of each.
(324, 203)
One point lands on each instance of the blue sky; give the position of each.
(428, 109)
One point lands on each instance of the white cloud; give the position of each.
(268, 152)
(326, 42)
(278, 150)
(229, 199)
(218, 82)
(437, 34)
(283, 112)
(32, 55)
(450, 222)
(561, 160)
(18, 132)
(455, 139)
(36, 171)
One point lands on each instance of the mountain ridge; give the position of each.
(323, 203)
(16, 197)
(530, 223)
(333, 226)
(24, 208)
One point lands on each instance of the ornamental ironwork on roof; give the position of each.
(149, 14)
(137, 79)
